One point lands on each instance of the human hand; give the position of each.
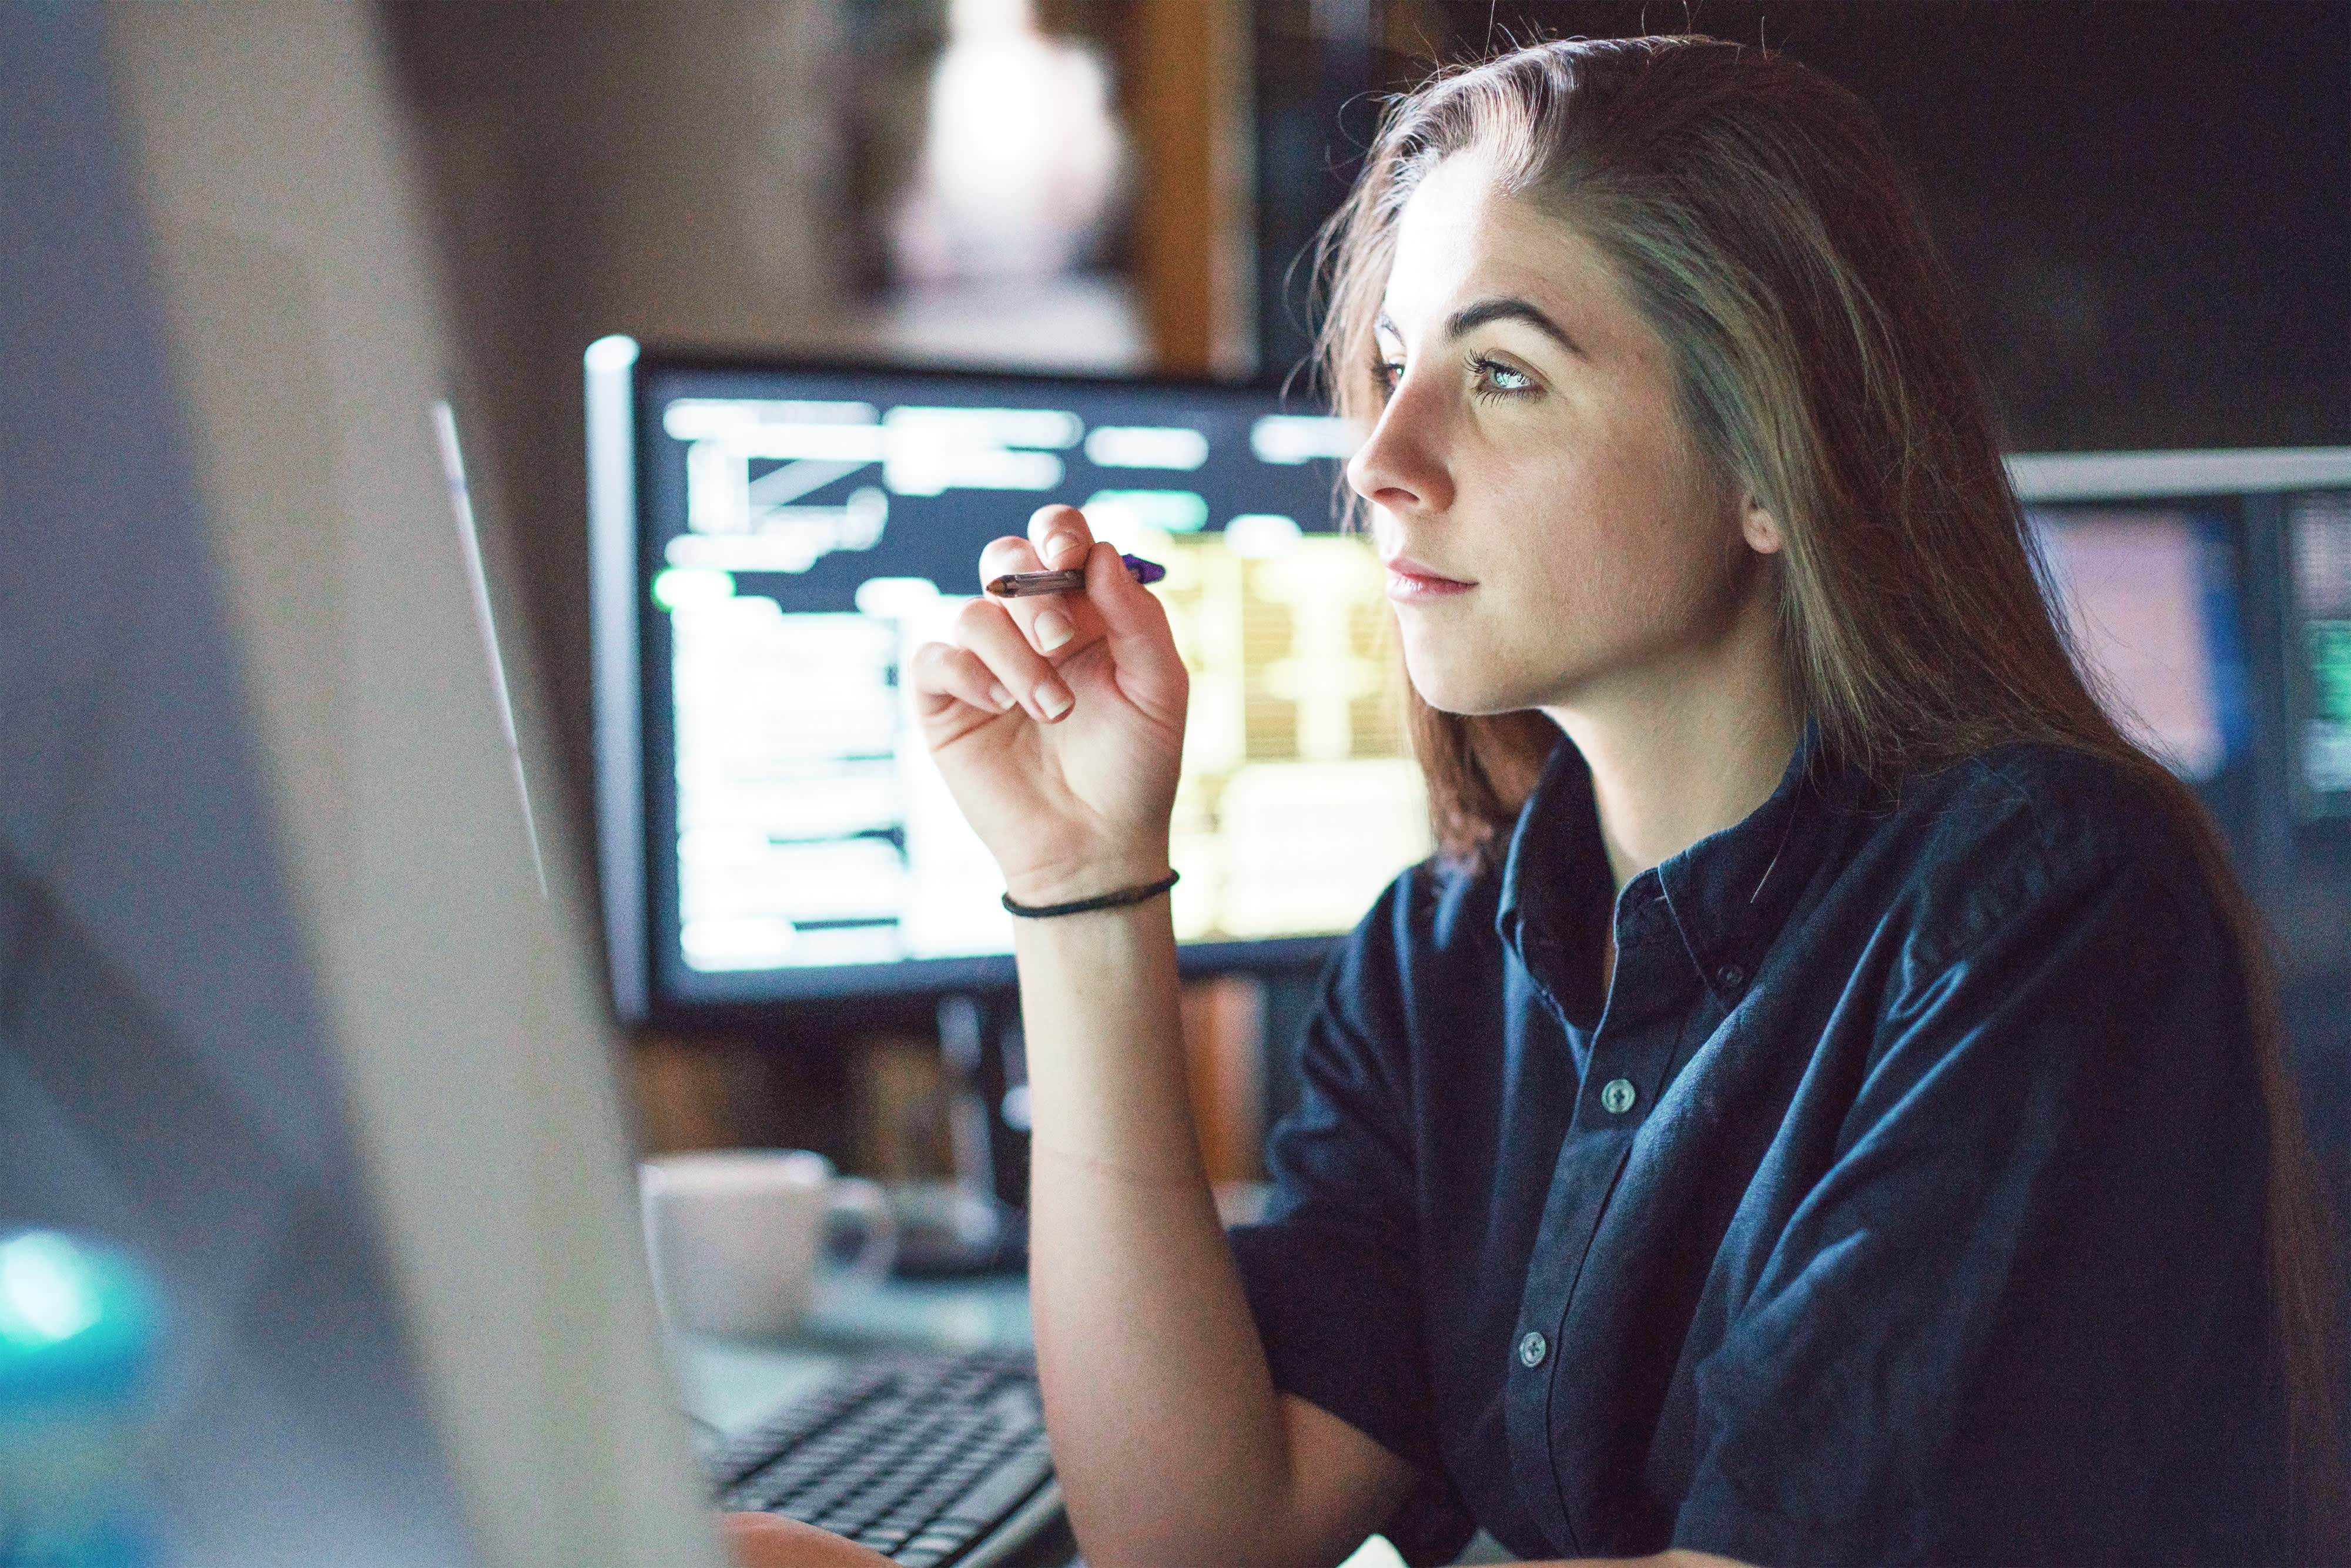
(1057, 722)
(771, 1540)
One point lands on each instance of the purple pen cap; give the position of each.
(1142, 571)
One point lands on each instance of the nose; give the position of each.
(1401, 466)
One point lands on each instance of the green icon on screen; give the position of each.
(2330, 669)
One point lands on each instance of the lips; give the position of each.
(1415, 581)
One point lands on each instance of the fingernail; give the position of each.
(1054, 698)
(1059, 547)
(1000, 697)
(1053, 629)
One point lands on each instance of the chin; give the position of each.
(1470, 687)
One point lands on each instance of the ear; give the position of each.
(1758, 527)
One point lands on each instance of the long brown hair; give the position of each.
(1757, 220)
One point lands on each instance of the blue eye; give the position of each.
(1496, 379)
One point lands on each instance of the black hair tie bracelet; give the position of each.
(1119, 900)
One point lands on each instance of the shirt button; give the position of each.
(1532, 1348)
(1730, 977)
(1616, 1096)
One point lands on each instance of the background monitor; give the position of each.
(773, 540)
(2150, 596)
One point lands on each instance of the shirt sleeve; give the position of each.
(2039, 1223)
(1332, 1274)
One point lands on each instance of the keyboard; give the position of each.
(931, 1460)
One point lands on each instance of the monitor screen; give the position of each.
(2150, 597)
(2318, 677)
(794, 533)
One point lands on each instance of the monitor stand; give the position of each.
(964, 1225)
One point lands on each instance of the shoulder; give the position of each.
(2039, 799)
(1429, 933)
(1995, 838)
(1435, 908)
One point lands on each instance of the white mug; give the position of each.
(733, 1235)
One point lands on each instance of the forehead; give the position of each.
(1461, 237)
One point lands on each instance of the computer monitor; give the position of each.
(2150, 594)
(773, 540)
(289, 1017)
(2209, 598)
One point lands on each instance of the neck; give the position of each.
(1686, 750)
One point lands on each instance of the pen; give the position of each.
(1024, 584)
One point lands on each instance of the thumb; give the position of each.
(1135, 625)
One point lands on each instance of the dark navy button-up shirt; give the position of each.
(1899, 1200)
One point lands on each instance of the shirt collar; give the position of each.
(1728, 895)
(1556, 891)
(1731, 892)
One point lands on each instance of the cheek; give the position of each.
(1629, 544)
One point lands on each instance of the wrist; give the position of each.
(1123, 898)
(1090, 879)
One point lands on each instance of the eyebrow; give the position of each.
(1506, 308)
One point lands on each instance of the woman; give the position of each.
(1821, 1103)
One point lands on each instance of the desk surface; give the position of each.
(731, 1382)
